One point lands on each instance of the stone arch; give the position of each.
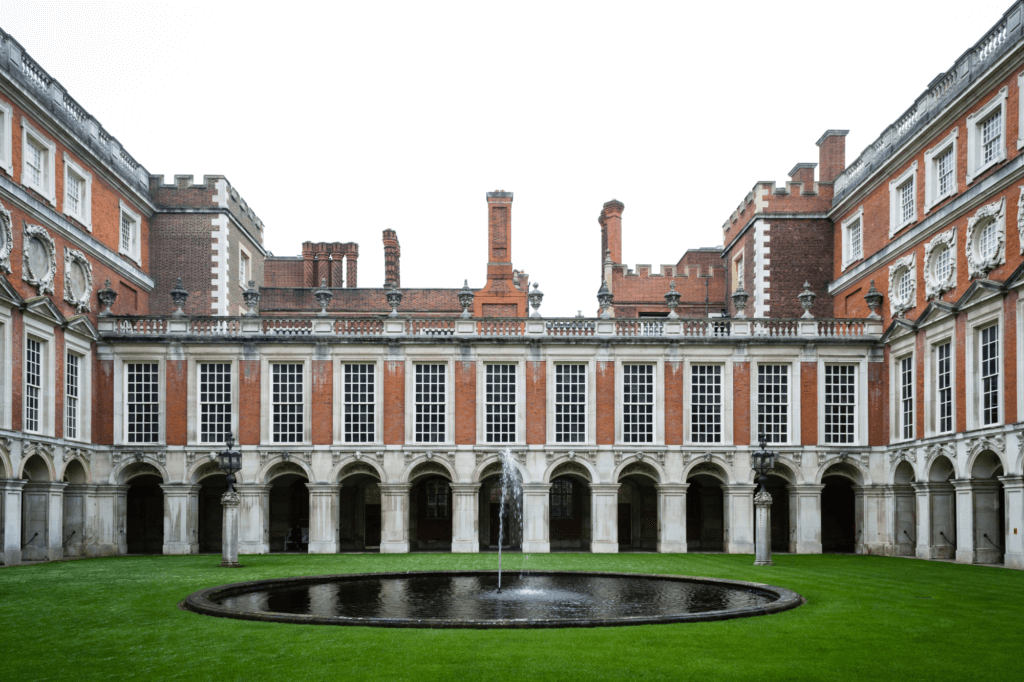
(81, 462)
(641, 468)
(902, 473)
(492, 465)
(127, 472)
(985, 463)
(580, 468)
(5, 461)
(849, 468)
(75, 471)
(714, 468)
(37, 466)
(941, 469)
(434, 467)
(785, 469)
(358, 467)
(203, 469)
(281, 468)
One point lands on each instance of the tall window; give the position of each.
(638, 403)
(72, 375)
(143, 402)
(437, 499)
(706, 403)
(431, 403)
(73, 194)
(856, 248)
(944, 383)
(990, 375)
(840, 403)
(561, 499)
(946, 173)
(907, 398)
(906, 192)
(991, 136)
(128, 240)
(127, 228)
(33, 383)
(358, 400)
(570, 403)
(287, 402)
(773, 402)
(214, 401)
(35, 163)
(500, 403)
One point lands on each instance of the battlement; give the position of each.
(215, 191)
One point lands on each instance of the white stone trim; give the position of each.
(897, 306)
(895, 222)
(759, 285)
(424, 356)
(856, 219)
(373, 356)
(783, 356)
(209, 355)
(44, 334)
(219, 267)
(861, 407)
(946, 333)
(6, 138)
(974, 165)
(1020, 113)
(896, 390)
(82, 348)
(659, 397)
(221, 197)
(513, 358)
(725, 360)
(931, 170)
(246, 257)
(934, 287)
(591, 363)
(85, 214)
(6, 239)
(81, 302)
(1020, 220)
(152, 354)
(135, 252)
(31, 136)
(976, 265)
(295, 356)
(6, 366)
(43, 281)
(991, 312)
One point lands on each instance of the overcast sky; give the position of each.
(336, 121)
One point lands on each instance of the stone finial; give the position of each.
(106, 297)
(672, 299)
(252, 299)
(874, 301)
(394, 297)
(179, 295)
(604, 299)
(323, 297)
(466, 297)
(807, 299)
(535, 297)
(739, 299)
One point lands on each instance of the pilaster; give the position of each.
(323, 518)
(10, 499)
(465, 521)
(253, 518)
(739, 518)
(536, 515)
(394, 511)
(1013, 489)
(806, 514)
(181, 518)
(604, 518)
(672, 517)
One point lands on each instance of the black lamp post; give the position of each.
(230, 461)
(763, 461)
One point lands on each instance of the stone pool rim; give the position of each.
(203, 602)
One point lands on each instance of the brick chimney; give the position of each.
(611, 230)
(392, 253)
(832, 154)
(499, 235)
(803, 173)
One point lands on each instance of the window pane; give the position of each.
(570, 403)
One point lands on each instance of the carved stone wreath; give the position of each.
(899, 305)
(934, 287)
(976, 265)
(6, 240)
(38, 258)
(77, 279)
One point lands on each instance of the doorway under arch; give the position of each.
(430, 514)
(637, 513)
(989, 509)
(838, 515)
(211, 512)
(359, 513)
(289, 512)
(705, 513)
(144, 525)
(569, 514)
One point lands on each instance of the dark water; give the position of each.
(475, 597)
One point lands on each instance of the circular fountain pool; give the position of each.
(470, 599)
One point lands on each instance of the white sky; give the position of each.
(336, 121)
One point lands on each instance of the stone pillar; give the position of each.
(1013, 489)
(77, 497)
(43, 519)
(536, 515)
(604, 518)
(465, 521)
(10, 498)
(965, 546)
(763, 546)
(871, 520)
(394, 511)
(107, 520)
(253, 518)
(323, 518)
(739, 518)
(987, 550)
(672, 517)
(229, 538)
(904, 527)
(181, 518)
(922, 548)
(934, 521)
(805, 512)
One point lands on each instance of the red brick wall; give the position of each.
(323, 402)
(878, 401)
(605, 388)
(536, 403)
(961, 374)
(17, 368)
(809, 403)
(921, 353)
(394, 399)
(674, 403)
(59, 385)
(812, 240)
(1010, 357)
(465, 402)
(176, 393)
(741, 403)
(249, 402)
(102, 402)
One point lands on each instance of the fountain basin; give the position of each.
(469, 599)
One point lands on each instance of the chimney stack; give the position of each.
(392, 254)
(803, 173)
(832, 154)
(611, 230)
(499, 235)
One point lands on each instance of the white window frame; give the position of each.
(855, 220)
(84, 215)
(975, 166)
(901, 398)
(658, 434)
(6, 366)
(932, 195)
(121, 396)
(1020, 113)
(792, 399)
(738, 270)
(135, 251)
(266, 399)
(80, 347)
(519, 417)
(31, 136)
(591, 412)
(37, 422)
(860, 422)
(932, 402)
(727, 400)
(896, 222)
(194, 434)
(6, 138)
(339, 362)
(44, 334)
(245, 268)
(449, 396)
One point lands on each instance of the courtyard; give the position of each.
(866, 617)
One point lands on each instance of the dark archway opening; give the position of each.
(491, 510)
(289, 514)
(569, 514)
(838, 515)
(637, 514)
(211, 513)
(705, 514)
(430, 525)
(144, 527)
(359, 514)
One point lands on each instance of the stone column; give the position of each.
(77, 497)
(739, 518)
(604, 518)
(229, 538)
(869, 505)
(10, 498)
(672, 517)
(763, 546)
(986, 521)
(965, 546)
(806, 514)
(181, 518)
(394, 511)
(107, 520)
(253, 518)
(323, 518)
(465, 521)
(922, 549)
(1013, 488)
(536, 515)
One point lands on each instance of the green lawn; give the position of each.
(117, 618)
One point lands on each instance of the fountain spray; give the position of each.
(511, 500)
